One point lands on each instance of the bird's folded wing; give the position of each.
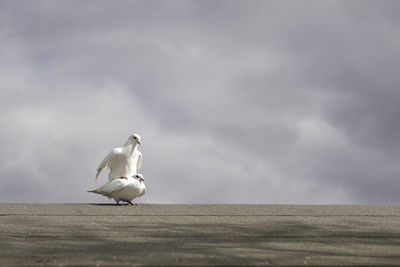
(112, 186)
(140, 161)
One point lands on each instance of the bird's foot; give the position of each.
(132, 204)
(123, 177)
(118, 203)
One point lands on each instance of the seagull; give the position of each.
(123, 189)
(123, 161)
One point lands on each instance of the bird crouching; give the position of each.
(123, 189)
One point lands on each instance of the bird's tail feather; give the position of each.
(93, 191)
(100, 193)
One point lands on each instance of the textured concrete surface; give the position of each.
(150, 234)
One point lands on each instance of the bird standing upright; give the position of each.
(124, 161)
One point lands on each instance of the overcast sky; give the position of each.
(284, 102)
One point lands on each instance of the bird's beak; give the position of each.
(139, 142)
(141, 179)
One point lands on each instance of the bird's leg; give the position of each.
(118, 203)
(133, 204)
(123, 177)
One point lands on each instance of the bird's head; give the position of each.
(135, 138)
(139, 177)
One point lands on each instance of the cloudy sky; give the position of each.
(291, 102)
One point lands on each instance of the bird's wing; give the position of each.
(109, 188)
(139, 161)
(106, 161)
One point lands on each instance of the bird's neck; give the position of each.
(132, 146)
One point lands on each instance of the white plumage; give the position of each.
(123, 161)
(123, 189)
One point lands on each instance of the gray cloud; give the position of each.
(236, 101)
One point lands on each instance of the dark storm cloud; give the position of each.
(236, 101)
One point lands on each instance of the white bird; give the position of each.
(123, 161)
(123, 189)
